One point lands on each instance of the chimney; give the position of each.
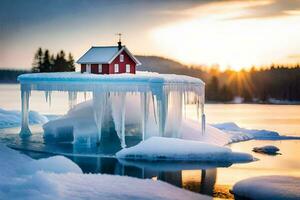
(119, 45)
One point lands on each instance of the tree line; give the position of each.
(257, 85)
(43, 61)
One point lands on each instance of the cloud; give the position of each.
(271, 8)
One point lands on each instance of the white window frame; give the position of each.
(100, 69)
(88, 68)
(116, 67)
(121, 57)
(128, 68)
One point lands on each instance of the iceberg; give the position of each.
(158, 101)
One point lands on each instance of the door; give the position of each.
(88, 68)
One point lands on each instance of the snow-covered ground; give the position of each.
(59, 178)
(160, 148)
(269, 187)
(11, 118)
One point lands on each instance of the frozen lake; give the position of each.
(198, 177)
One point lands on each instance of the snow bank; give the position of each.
(59, 178)
(269, 187)
(159, 148)
(13, 118)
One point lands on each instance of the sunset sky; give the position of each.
(228, 33)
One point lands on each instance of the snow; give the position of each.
(269, 187)
(59, 178)
(191, 130)
(239, 134)
(161, 94)
(139, 77)
(98, 55)
(160, 148)
(12, 118)
(268, 149)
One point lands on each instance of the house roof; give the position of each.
(103, 54)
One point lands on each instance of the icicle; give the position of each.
(72, 99)
(123, 100)
(198, 108)
(185, 102)
(46, 96)
(154, 110)
(25, 131)
(84, 94)
(118, 114)
(100, 101)
(162, 105)
(50, 98)
(145, 113)
(203, 124)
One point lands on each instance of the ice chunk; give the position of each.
(268, 187)
(10, 118)
(269, 149)
(239, 134)
(160, 148)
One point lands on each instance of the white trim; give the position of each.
(116, 68)
(121, 57)
(100, 69)
(127, 66)
(129, 54)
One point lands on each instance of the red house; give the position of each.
(108, 60)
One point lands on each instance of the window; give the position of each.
(127, 68)
(116, 68)
(121, 58)
(100, 68)
(88, 68)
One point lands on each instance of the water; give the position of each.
(204, 178)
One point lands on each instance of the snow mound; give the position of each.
(96, 186)
(269, 149)
(13, 162)
(13, 118)
(239, 134)
(269, 187)
(159, 148)
(59, 178)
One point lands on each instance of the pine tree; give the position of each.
(71, 66)
(47, 62)
(37, 65)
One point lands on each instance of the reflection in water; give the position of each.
(197, 180)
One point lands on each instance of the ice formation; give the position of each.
(12, 118)
(160, 98)
(161, 148)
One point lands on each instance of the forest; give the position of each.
(257, 85)
(44, 61)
